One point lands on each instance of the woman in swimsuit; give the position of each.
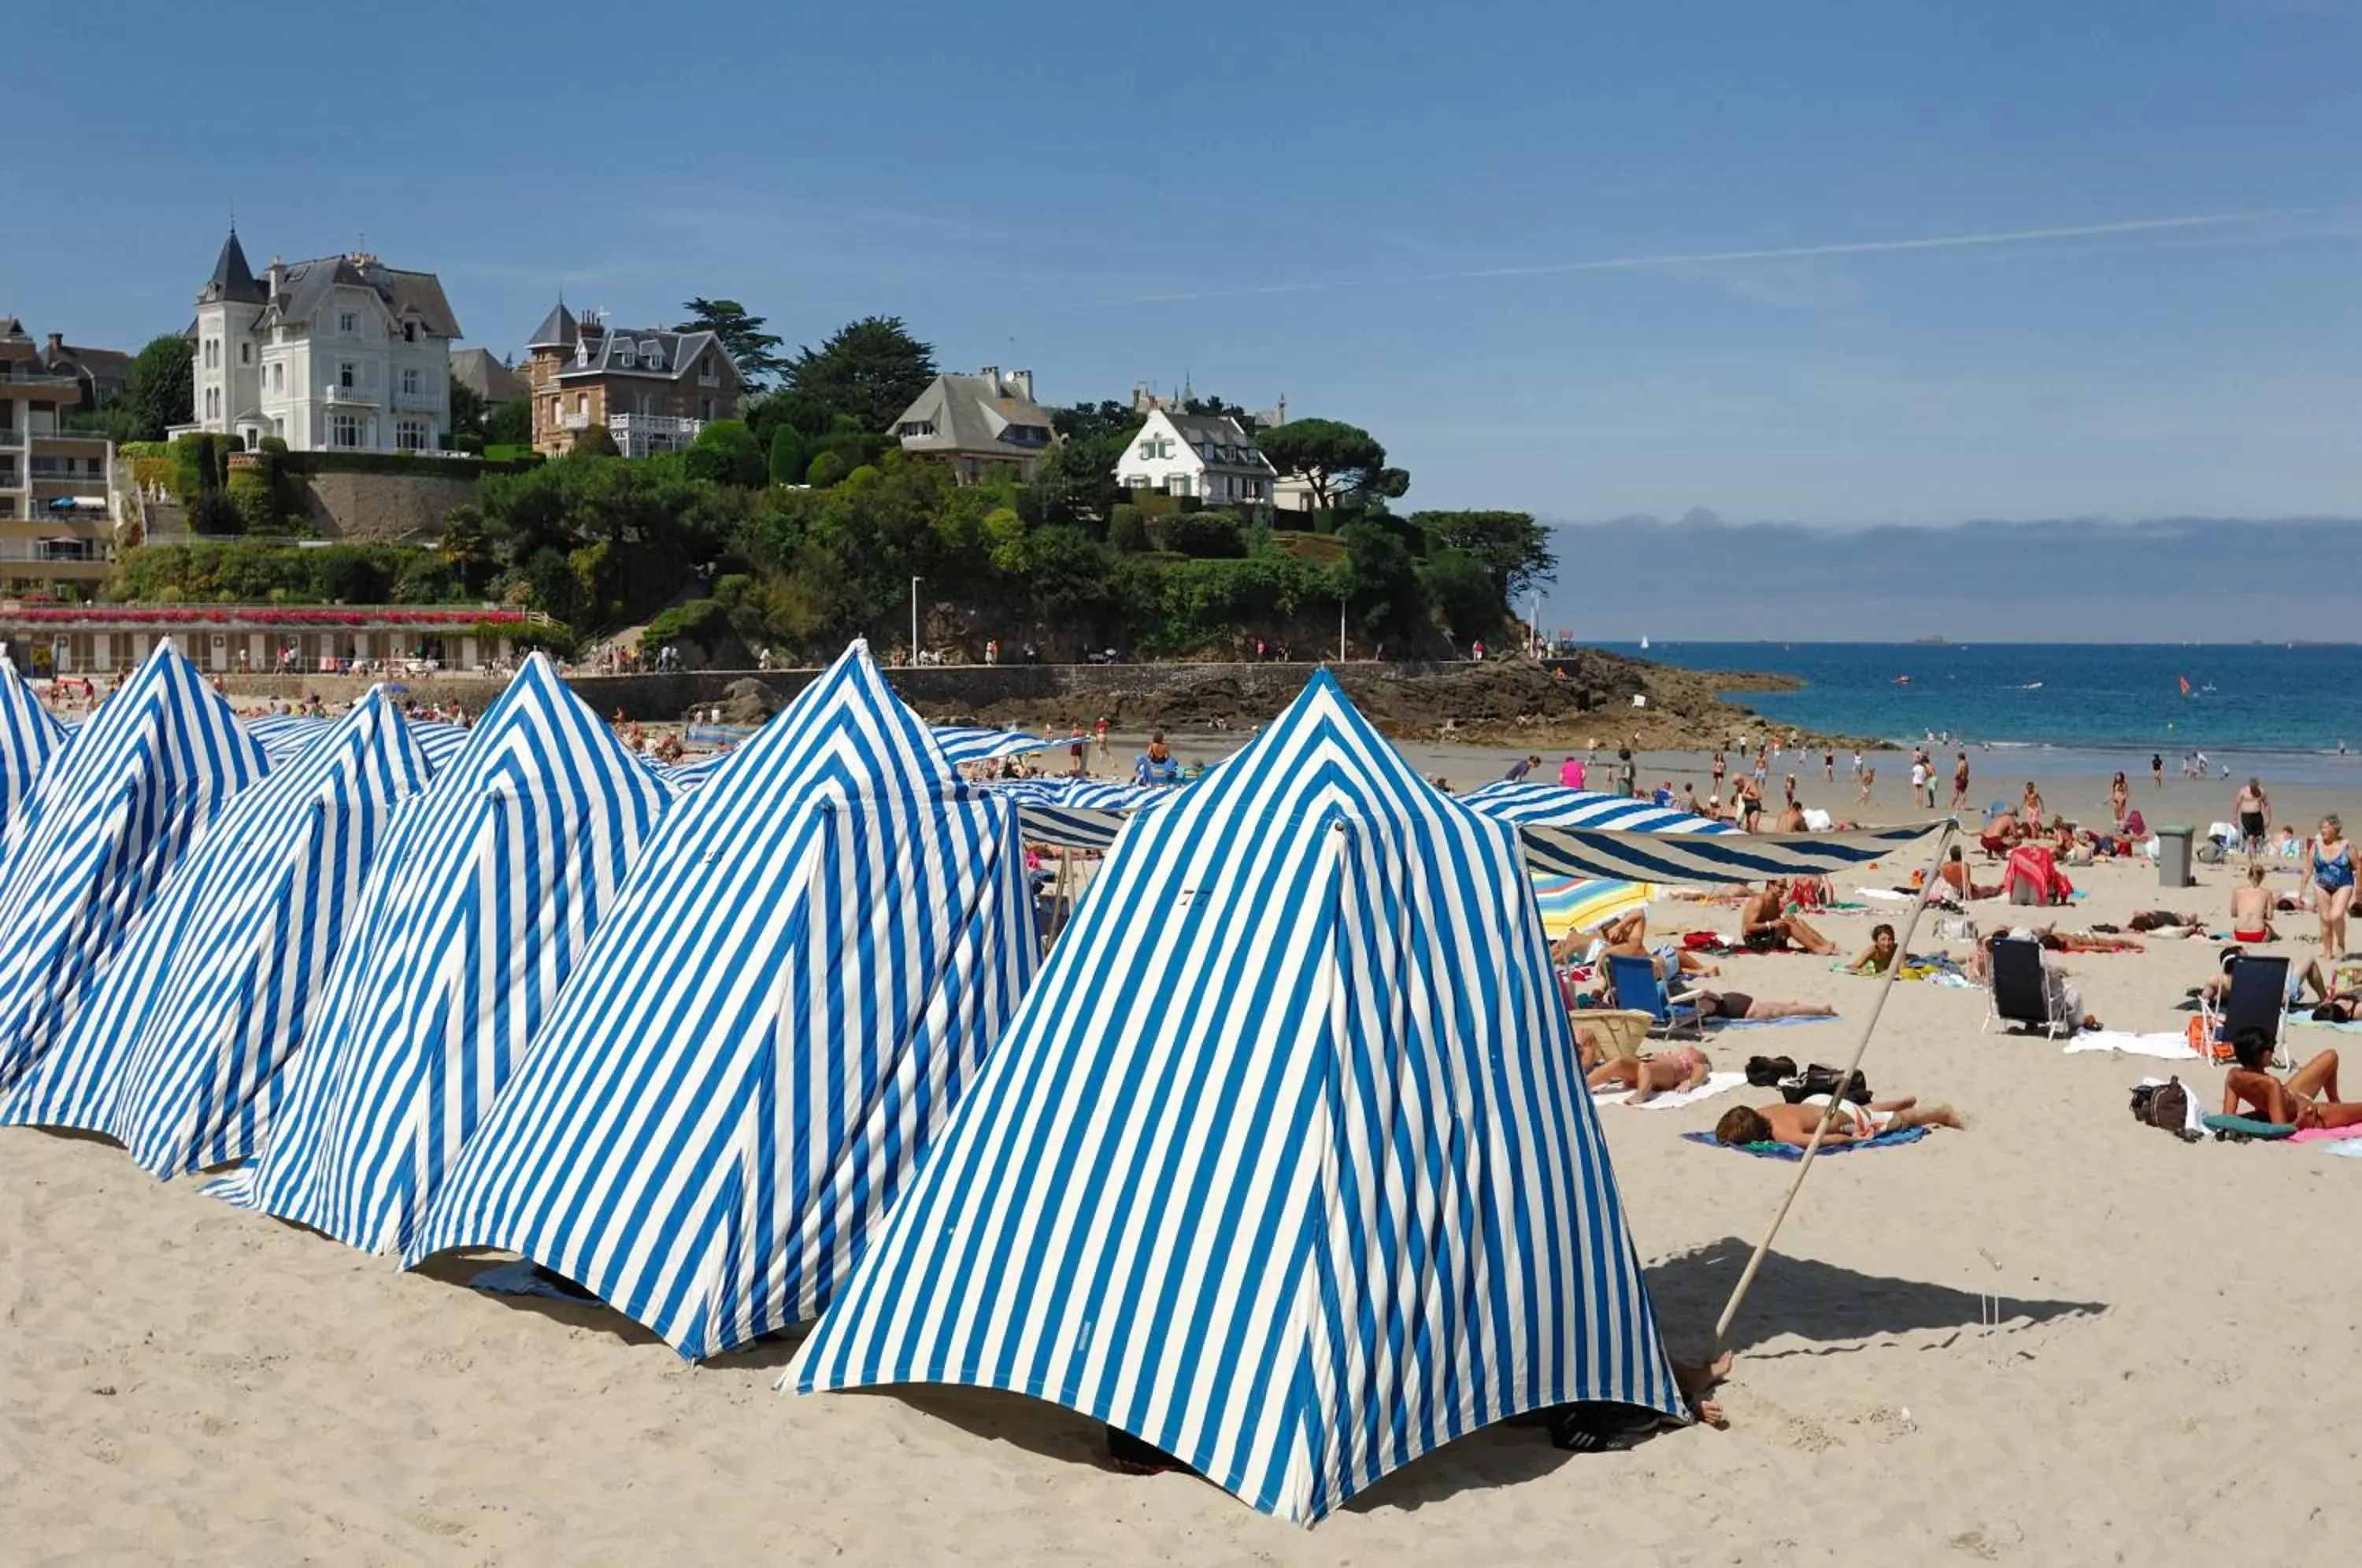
(1660, 1072)
(2331, 867)
(2120, 797)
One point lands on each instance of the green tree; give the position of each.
(870, 370)
(1466, 599)
(161, 389)
(790, 455)
(724, 453)
(467, 409)
(1334, 459)
(509, 423)
(1514, 551)
(752, 349)
(826, 471)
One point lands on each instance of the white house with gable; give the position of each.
(340, 354)
(1201, 454)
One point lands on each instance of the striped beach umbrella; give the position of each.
(805, 970)
(1585, 903)
(1286, 1166)
(486, 889)
(178, 1051)
(103, 825)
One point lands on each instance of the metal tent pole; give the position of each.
(1828, 1114)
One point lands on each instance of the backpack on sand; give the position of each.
(2165, 1105)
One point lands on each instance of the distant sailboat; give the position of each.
(1644, 641)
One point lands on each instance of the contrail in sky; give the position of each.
(1715, 258)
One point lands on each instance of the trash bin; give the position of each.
(2173, 856)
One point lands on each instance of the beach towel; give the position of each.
(1716, 1083)
(2170, 1047)
(1764, 1022)
(522, 1277)
(2351, 1149)
(1788, 1152)
(2269, 1131)
(1884, 895)
(2305, 1020)
(2326, 1134)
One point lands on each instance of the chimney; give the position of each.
(1023, 382)
(991, 373)
(274, 276)
(57, 344)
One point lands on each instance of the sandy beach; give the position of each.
(193, 1384)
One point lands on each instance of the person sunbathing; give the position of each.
(2308, 1099)
(2252, 908)
(1739, 1004)
(1881, 954)
(1794, 1124)
(1765, 928)
(1629, 936)
(1660, 1072)
(1955, 870)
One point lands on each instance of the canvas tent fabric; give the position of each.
(178, 1051)
(29, 736)
(1286, 1165)
(285, 736)
(1553, 805)
(963, 743)
(486, 889)
(805, 970)
(105, 823)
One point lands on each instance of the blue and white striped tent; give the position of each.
(1286, 1164)
(1581, 832)
(105, 823)
(30, 735)
(963, 743)
(487, 887)
(1553, 805)
(285, 736)
(801, 978)
(178, 1051)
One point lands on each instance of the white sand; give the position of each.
(183, 1383)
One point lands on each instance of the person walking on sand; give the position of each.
(1959, 781)
(2252, 809)
(1918, 776)
(2030, 807)
(2157, 769)
(1828, 764)
(1721, 766)
(2119, 799)
(1869, 782)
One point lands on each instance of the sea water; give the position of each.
(2260, 708)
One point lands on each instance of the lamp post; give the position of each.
(914, 622)
(1340, 631)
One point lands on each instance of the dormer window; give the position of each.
(348, 323)
(624, 359)
(410, 332)
(651, 354)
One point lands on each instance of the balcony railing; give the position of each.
(10, 376)
(423, 402)
(337, 393)
(11, 438)
(574, 421)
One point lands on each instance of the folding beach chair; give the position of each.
(2019, 990)
(2258, 999)
(1639, 988)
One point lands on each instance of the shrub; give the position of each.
(473, 445)
(1205, 534)
(724, 453)
(1127, 530)
(790, 455)
(826, 471)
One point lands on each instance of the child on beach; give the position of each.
(1794, 1124)
(1879, 956)
(1869, 781)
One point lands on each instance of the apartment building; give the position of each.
(57, 527)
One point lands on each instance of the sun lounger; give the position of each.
(2021, 992)
(2258, 999)
(1640, 988)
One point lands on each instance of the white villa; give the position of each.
(343, 354)
(1191, 454)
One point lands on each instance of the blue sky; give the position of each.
(1114, 194)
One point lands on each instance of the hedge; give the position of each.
(400, 463)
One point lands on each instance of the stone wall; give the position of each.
(385, 508)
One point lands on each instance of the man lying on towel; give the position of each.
(1764, 926)
(2309, 1098)
(1794, 1124)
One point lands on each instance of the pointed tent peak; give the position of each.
(850, 705)
(1322, 731)
(231, 279)
(558, 329)
(537, 702)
